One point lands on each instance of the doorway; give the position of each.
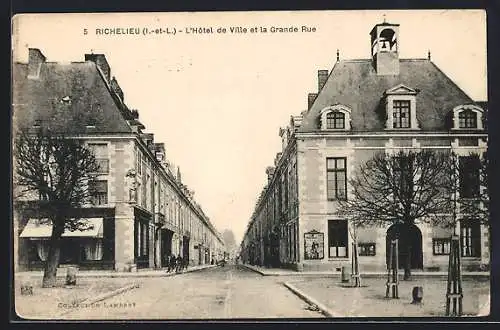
(409, 236)
(166, 245)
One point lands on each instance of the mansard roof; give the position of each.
(356, 84)
(68, 98)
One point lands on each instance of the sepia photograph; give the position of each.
(250, 165)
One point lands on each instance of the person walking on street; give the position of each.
(172, 262)
(167, 263)
(179, 263)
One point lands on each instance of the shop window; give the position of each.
(93, 249)
(42, 249)
(366, 249)
(440, 246)
(337, 238)
(470, 238)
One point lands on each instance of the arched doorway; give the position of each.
(408, 236)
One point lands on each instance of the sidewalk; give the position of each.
(109, 273)
(290, 272)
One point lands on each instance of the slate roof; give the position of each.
(41, 99)
(355, 83)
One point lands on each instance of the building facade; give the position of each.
(141, 211)
(362, 107)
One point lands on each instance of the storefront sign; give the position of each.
(314, 245)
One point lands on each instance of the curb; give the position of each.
(311, 301)
(103, 296)
(160, 273)
(365, 275)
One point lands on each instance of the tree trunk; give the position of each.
(52, 262)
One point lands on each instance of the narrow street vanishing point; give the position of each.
(217, 293)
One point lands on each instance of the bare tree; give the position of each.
(400, 188)
(59, 170)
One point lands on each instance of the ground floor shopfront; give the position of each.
(122, 239)
(328, 245)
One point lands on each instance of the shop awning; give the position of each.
(42, 229)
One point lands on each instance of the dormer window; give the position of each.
(335, 120)
(401, 114)
(336, 117)
(401, 107)
(467, 117)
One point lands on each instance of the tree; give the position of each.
(398, 189)
(59, 170)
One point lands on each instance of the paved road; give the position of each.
(216, 293)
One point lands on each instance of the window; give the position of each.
(336, 178)
(470, 238)
(440, 246)
(467, 119)
(142, 244)
(366, 249)
(335, 120)
(337, 238)
(404, 176)
(469, 176)
(401, 114)
(100, 151)
(139, 162)
(99, 192)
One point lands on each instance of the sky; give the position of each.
(217, 100)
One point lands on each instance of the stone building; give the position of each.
(142, 211)
(364, 106)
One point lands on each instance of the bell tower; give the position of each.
(385, 48)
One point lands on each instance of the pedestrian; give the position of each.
(167, 263)
(173, 261)
(185, 262)
(179, 263)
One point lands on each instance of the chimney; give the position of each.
(102, 64)
(116, 88)
(160, 151)
(148, 139)
(270, 173)
(310, 99)
(322, 77)
(35, 60)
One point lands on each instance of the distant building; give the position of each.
(142, 212)
(362, 107)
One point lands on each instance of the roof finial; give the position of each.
(384, 18)
(338, 55)
(429, 54)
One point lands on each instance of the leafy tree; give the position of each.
(58, 169)
(399, 189)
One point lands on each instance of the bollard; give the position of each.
(417, 294)
(71, 275)
(346, 274)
